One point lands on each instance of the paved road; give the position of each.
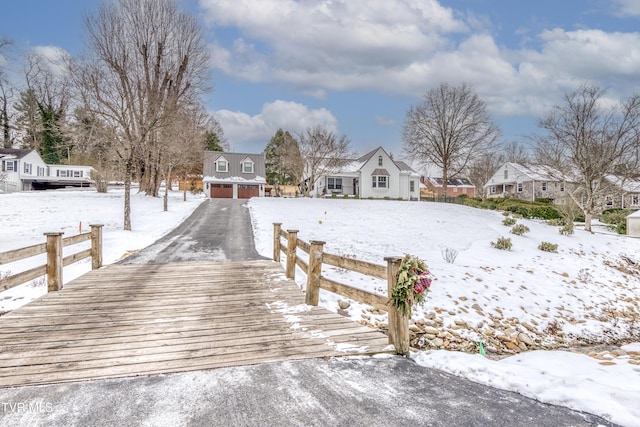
(353, 392)
(218, 230)
(335, 392)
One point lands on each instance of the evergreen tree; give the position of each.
(213, 142)
(283, 161)
(28, 121)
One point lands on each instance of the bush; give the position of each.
(616, 219)
(519, 229)
(334, 196)
(567, 229)
(503, 243)
(345, 196)
(509, 221)
(548, 247)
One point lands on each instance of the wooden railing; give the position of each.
(55, 260)
(398, 322)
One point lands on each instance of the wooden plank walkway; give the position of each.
(130, 320)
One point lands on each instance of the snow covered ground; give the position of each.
(586, 291)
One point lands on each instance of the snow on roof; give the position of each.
(257, 179)
(629, 185)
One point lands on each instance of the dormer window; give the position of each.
(379, 160)
(247, 166)
(222, 165)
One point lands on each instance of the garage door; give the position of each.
(221, 191)
(247, 191)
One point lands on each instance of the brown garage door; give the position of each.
(221, 191)
(247, 191)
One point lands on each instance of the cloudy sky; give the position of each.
(357, 66)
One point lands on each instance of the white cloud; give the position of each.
(627, 7)
(405, 47)
(252, 133)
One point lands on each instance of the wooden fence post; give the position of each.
(398, 322)
(313, 274)
(276, 241)
(292, 244)
(54, 261)
(96, 246)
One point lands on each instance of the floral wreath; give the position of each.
(413, 283)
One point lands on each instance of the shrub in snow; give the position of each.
(567, 229)
(548, 247)
(449, 255)
(509, 221)
(519, 229)
(503, 243)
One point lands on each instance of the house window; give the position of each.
(334, 184)
(222, 165)
(506, 174)
(635, 200)
(519, 187)
(9, 166)
(562, 186)
(544, 186)
(412, 186)
(492, 189)
(40, 171)
(379, 160)
(77, 174)
(379, 181)
(27, 168)
(247, 166)
(455, 189)
(608, 201)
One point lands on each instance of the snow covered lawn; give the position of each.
(588, 291)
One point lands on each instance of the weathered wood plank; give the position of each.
(72, 240)
(18, 254)
(126, 320)
(362, 267)
(24, 277)
(374, 300)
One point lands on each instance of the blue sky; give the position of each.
(357, 66)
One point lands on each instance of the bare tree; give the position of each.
(448, 129)
(481, 169)
(514, 152)
(584, 142)
(6, 93)
(150, 59)
(322, 153)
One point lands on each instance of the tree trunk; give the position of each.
(166, 198)
(127, 192)
(588, 217)
(445, 180)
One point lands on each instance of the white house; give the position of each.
(374, 175)
(233, 175)
(24, 170)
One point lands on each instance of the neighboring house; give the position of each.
(233, 175)
(374, 175)
(525, 182)
(623, 194)
(24, 170)
(455, 186)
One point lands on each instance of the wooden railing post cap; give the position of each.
(277, 223)
(316, 242)
(96, 225)
(393, 259)
(292, 231)
(54, 233)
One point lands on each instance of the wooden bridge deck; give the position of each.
(130, 320)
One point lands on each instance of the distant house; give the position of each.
(24, 170)
(455, 186)
(623, 193)
(525, 182)
(633, 224)
(233, 175)
(373, 175)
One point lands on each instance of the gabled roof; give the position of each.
(629, 185)
(14, 152)
(451, 182)
(537, 172)
(354, 165)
